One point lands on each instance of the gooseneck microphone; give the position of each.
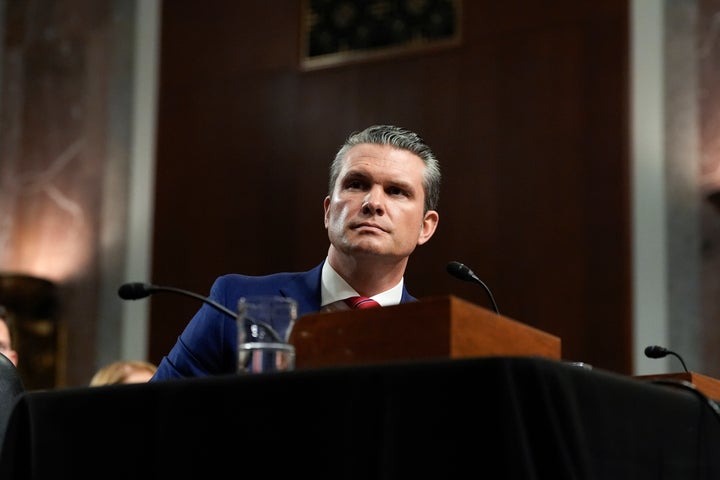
(461, 271)
(138, 290)
(656, 351)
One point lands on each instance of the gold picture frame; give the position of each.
(338, 32)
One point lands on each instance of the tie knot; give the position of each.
(361, 302)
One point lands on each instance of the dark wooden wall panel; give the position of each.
(528, 117)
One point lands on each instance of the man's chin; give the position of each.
(367, 248)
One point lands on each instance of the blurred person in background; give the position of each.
(6, 345)
(123, 371)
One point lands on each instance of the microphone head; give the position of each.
(135, 290)
(459, 270)
(656, 351)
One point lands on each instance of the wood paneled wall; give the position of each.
(529, 117)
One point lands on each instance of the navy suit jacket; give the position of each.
(208, 344)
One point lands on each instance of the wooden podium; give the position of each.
(435, 327)
(709, 386)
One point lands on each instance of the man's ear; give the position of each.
(428, 227)
(326, 206)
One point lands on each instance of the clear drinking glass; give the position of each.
(264, 323)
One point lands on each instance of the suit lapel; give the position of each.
(305, 288)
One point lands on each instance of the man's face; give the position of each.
(5, 343)
(376, 206)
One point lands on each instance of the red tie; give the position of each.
(361, 302)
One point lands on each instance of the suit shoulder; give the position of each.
(267, 279)
(242, 278)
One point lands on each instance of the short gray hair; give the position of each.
(399, 138)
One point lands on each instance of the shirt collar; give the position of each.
(333, 288)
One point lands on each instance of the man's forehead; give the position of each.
(383, 155)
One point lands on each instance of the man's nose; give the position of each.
(373, 201)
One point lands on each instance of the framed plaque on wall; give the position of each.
(337, 32)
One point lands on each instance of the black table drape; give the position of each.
(503, 417)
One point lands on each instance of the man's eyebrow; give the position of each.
(403, 184)
(355, 173)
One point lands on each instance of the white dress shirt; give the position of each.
(334, 290)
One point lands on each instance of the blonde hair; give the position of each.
(119, 372)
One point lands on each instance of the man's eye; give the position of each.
(396, 191)
(354, 184)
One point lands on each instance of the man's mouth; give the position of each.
(367, 225)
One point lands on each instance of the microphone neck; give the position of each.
(463, 272)
(142, 290)
(670, 352)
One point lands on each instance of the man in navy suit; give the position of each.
(383, 194)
